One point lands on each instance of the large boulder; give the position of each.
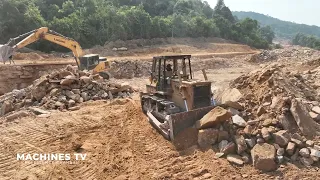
(213, 118)
(304, 121)
(231, 98)
(263, 157)
(207, 137)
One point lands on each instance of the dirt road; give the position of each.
(119, 143)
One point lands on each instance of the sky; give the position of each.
(298, 11)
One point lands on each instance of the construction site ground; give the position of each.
(119, 141)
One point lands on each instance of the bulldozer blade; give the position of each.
(156, 124)
(5, 52)
(178, 122)
(181, 121)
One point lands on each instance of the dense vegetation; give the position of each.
(283, 29)
(94, 22)
(307, 40)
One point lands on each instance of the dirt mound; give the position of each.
(28, 56)
(129, 69)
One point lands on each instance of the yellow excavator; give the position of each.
(84, 62)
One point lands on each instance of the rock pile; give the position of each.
(264, 56)
(129, 69)
(270, 116)
(62, 90)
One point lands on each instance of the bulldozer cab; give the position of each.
(167, 68)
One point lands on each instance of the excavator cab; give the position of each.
(175, 100)
(95, 63)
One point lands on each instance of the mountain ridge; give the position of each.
(282, 28)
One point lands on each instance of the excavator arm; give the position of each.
(42, 33)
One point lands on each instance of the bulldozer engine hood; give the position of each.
(5, 52)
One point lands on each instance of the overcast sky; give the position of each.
(299, 11)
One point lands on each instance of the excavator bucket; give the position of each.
(5, 52)
(178, 122)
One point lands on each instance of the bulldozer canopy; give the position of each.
(5, 52)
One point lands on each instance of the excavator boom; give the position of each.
(42, 33)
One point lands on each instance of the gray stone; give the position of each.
(281, 137)
(307, 161)
(66, 82)
(219, 155)
(251, 142)
(261, 110)
(290, 148)
(238, 120)
(38, 111)
(314, 116)
(304, 152)
(71, 103)
(314, 153)
(16, 115)
(316, 109)
(310, 143)
(223, 135)
(245, 157)
(227, 147)
(54, 92)
(74, 108)
(241, 144)
(260, 140)
(280, 151)
(6, 107)
(207, 137)
(295, 156)
(265, 134)
(280, 159)
(76, 91)
(263, 157)
(58, 104)
(233, 111)
(297, 142)
(85, 96)
(235, 159)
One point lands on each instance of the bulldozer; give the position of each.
(90, 62)
(174, 100)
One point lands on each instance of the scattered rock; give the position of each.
(223, 135)
(280, 151)
(309, 143)
(227, 147)
(290, 148)
(233, 111)
(282, 138)
(261, 110)
(304, 152)
(263, 156)
(315, 153)
(44, 115)
(250, 142)
(239, 121)
(207, 137)
(265, 134)
(297, 142)
(38, 111)
(316, 109)
(314, 116)
(248, 130)
(16, 115)
(307, 161)
(235, 159)
(241, 144)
